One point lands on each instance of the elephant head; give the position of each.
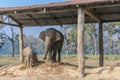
(51, 33)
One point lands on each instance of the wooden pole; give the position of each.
(21, 43)
(101, 50)
(80, 48)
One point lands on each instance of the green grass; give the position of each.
(112, 57)
(66, 57)
(107, 57)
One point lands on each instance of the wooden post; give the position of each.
(21, 43)
(101, 50)
(80, 48)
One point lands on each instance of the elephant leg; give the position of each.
(45, 55)
(59, 55)
(28, 60)
(31, 61)
(54, 56)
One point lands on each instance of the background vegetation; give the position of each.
(10, 45)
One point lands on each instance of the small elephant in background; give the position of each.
(53, 43)
(30, 58)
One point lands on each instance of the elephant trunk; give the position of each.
(48, 47)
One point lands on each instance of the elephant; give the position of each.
(53, 43)
(30, 58)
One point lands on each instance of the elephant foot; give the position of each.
(59, 60)
(54, 61)
(44, 58)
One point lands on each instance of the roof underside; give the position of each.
(63, 12)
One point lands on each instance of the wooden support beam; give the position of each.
(14, 19)
(92, 15)
(104, 6)
(9, 24)
(80, 47)
(101, 50)
(33, 19)
(21, 43)
(58, 22)
(73, 17)
(39, 12)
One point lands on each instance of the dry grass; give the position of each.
(10, 68)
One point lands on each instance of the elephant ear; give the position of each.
(42, 35)
(58, 36)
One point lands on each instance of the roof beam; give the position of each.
(55, 19)
(33, 18)
(103, 6)
(14, 19)
(92, 15)
(37, 12)
(74, 19)
(1, 22)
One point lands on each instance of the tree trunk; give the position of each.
(21, 43)
(13, 48)
(67, 50)
(65, 37)
(80, 48)
(95, 46)
(101, 50)
(111, 45)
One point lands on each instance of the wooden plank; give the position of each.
(21, 43)
(40, 12)
(92, 15)
(33, 19)
(80, 48)
(104, 6)
(9, 24)
(57, 21)
(14, 20)
(101, 50)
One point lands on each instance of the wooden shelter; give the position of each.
(70, 12)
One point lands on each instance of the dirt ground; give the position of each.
(61, 71)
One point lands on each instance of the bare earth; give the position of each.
(58, 71)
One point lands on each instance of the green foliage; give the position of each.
(73, 35)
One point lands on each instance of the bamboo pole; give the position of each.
(80, 48)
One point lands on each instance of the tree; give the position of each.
(12, 39)
(111, 30)
(72, 36)
(65, 27)
(91, 30)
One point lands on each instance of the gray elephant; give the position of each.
(53, 43)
